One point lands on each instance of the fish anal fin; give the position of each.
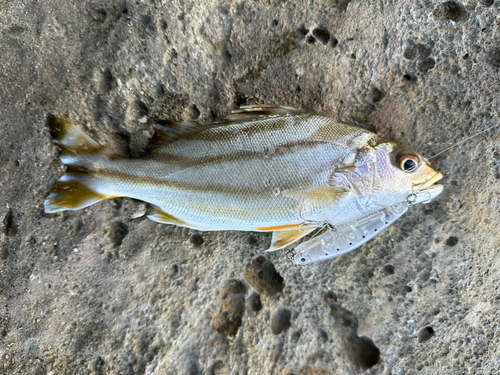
(284, 238)
(165, 218)
(73, 192)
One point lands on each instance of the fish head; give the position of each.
(400, 172)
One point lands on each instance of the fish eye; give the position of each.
(409, 163)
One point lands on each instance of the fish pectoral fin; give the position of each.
(284, 238)
(319, 193)
(319, 203)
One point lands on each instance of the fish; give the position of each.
(263, 168)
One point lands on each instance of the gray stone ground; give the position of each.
(106, 291)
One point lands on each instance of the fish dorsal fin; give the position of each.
(168, 131)
(249, 113)
(284, 238)
(71, 140)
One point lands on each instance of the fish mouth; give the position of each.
(428, 183)
(429, 190)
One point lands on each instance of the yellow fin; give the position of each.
(72, 192)
(77, 188)
(165, 218)
(71, 139)
(278, 228)
(319, 193)
(286, 237)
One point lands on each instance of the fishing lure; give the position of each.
(264, 168)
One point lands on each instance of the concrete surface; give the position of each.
(106, 291)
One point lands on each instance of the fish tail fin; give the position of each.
(79, 187)
(76, 146)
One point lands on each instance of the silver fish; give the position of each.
(264, 168)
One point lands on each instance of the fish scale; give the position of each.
(228, 179)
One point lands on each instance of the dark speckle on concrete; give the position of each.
(196, 239)
(116, 232)
(425, 334)
(451, 241)
(388, 269)
(263, 277)
(254, 302)
(280, 320)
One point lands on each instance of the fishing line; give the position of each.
(464, 140)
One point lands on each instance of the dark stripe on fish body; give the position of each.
(143, 177)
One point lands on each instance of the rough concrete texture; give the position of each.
(106, 291)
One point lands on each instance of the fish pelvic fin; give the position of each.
(78, 187)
